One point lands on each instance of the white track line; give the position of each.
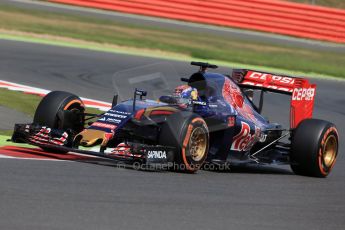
(101, 105)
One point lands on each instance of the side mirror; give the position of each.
(141, 93)
(138, 92)
(184, 79)
(114, 100)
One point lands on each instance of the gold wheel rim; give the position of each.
(197, 144)
(329, 150)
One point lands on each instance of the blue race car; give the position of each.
(211, 119)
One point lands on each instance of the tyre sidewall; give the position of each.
(188, 161)
(47, 111)
(49, 107)
(176, 133)
(308, 141)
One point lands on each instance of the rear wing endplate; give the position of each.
(301, 91)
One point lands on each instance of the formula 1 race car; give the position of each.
(212, 119)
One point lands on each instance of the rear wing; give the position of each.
(301, 91)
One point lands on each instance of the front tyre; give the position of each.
(188, 133)
(55, 103)
(314, 148)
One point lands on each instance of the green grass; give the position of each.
(6, 133)
(21, 102)
(328, 3)
(195, 45)
(4, 142)
(24, 103)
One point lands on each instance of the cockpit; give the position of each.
(205, 85)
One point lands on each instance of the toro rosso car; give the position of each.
(211, 119)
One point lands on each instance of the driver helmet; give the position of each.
(185, 93)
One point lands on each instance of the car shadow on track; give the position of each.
(255, 169)
(38, 154)
(262, 170)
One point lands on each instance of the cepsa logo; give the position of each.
(300, 94)
(275, 82)
(264, 76)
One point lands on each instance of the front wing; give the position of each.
(62, 141)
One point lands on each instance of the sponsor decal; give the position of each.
(115, 115)
(300, 94)
(120, 112)
(113, 120)
(244, 140)
(274, 78)
(199, 103)
(103, 125)
(270, 81)
(156, 154)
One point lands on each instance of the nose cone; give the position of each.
(92, 137)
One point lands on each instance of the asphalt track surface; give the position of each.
(79, 195)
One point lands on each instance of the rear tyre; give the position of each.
(314, 148)
(48, 113)
(188, 133)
